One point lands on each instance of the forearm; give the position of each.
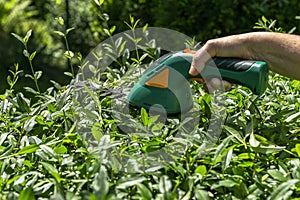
(280, 51)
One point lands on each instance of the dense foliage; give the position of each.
(43, 155)
(203, 19)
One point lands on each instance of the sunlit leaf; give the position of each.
(32, 55)
(27, 194)
(298, 149)
(29, 149)
(282, 189)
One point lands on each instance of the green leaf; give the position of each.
(56, 85)
(253, 142)
(48, 150)
(59, 33)
(27, 36)
(272, 24)
(130, 183)
(52, 170)
(69, 29)
(29, 76)
(221, 148)
(32, 55)
(201, 169)
(79, 56)
(99, 2)
(68, 74)
(29, 89)
(157, 127)
(277, 175)
(26, 53)
(60, 20)
(234, 132)
(12, 180)
(3, 137)
(282, 189)
(145, 117)
(23, 104)
(38, 74)
(246, 164)
(292, 117)
(106, 31)
(97, 131)
(69, 54)
(201, 194)
(250, 130)
(9, 81)
(100, 184)
(264, 19)
(136, 23)
(297, 147)
(2, 96)
(30, 123)
(28, 149)
(18, 37)
(228, 157)
(122, 47)
(270, 149)
(246, 156)
(152, 119)
(131, 19)
(144, 192)
(224, 183)
(112, 29)
(60, 149)
(165, 184)
(27, 194)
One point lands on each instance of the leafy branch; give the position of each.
(30, 56)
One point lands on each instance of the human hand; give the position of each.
(279, 50)
(200, 58)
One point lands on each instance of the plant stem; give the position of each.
(68, 50)
(32, 71)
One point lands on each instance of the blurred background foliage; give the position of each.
(204, 19)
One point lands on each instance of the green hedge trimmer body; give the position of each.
(166, 83)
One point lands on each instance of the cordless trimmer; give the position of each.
(166, 83)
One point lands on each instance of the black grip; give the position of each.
(232, 64)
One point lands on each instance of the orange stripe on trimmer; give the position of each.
(189, 51)
(161, 80)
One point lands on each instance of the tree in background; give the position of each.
(206, 18)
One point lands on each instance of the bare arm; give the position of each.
(281, 51)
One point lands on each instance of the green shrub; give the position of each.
(43, 156)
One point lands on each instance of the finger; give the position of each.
(217, 84)
(198, 62)
(227, 85)
(193, 71)
(200, 58)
